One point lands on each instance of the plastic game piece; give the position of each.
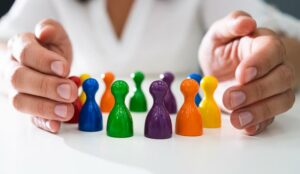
(138, 101)
(83, 77)
(90, 119)
(119, 123)
(158, 123)
(197, 77)
(76, 104)
(107, 100)
(211, 113)
(189, 121)
(170, 101)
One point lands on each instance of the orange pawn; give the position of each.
(107, 100)
(189, 121)
(211, 113)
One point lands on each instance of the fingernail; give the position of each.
(250, 74)
(245, 118)
(61, 111)
(64, 91)
(57, 67)
(48, 126)
(237, 98)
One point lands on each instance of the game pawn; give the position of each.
(83, 78)
(189, 121)
(76, 104)
(210, 111)
(119, 123)
(107, 100)
(138, 101)
(158, 123)
(169, 100)
(197, 77)
(90, 119)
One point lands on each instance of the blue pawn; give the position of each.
(90, 119)
(197, 77)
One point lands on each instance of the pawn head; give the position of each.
(76, 80)
(120, 88)
(90, 86)
(108, 77)
(158, 88)
(167, 77)
(138, 77)
(209, 84)
(84, 77)
(189, 87)
(195, 76)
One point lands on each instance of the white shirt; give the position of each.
(159, 35)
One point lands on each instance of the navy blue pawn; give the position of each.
(170, 101)
(158, 123)
(90, 119)
(197, 77)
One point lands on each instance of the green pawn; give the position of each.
(138, 101)
(119, 123)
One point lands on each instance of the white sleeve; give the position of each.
(265, 15)
(23, 16)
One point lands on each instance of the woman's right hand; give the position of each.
(39, 64)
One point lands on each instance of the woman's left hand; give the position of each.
(252, 61)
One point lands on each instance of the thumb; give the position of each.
(236, 24)
(52, 34)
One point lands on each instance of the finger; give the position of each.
(259, 56)
(25, 49)
(279, 80)
(235, 25)
(257, 129)
(42, 107)
(25, 80)
(47, 125)
(263, 110)
(52, 34)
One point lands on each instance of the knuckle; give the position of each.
(291, 99)
(16, 76)
(44, 86)
(16, 101)
(286, 73)
(266, 111)
(259, 90)
(41, 108)
(24, 50)
(278, 46)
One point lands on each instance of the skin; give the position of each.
(252, 62)
(37, 79)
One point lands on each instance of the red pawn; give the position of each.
(77, 104)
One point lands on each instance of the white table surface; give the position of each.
(27, 149)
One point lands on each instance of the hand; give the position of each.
(38, 66)
(251, 61)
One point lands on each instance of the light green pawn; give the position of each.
(138, 101)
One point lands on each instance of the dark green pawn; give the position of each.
(138, 101)
(119, 123)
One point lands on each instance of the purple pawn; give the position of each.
(170, 101)
(158, 123)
